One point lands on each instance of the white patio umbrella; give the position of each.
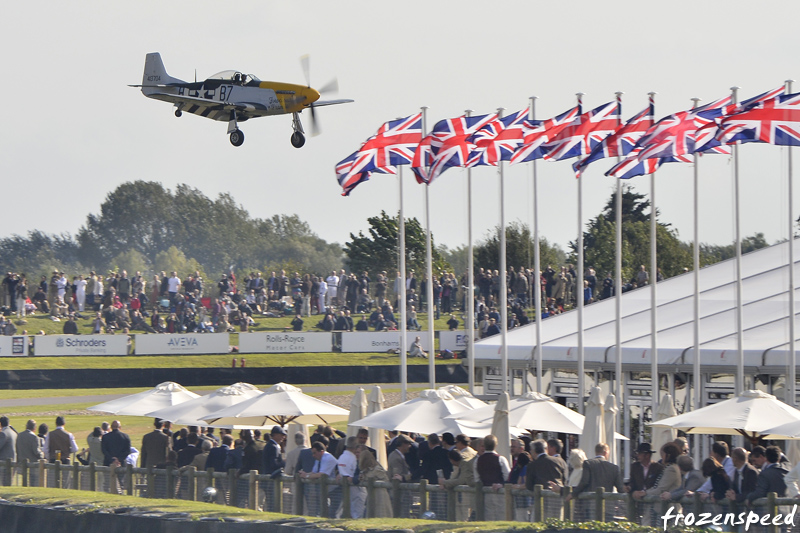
(280, 404)
(752, 413)
(163, 395)
(610, 422)
(462, 395)
(787, 430)
(189, 413)
(377, 438)
(500, 426)
(423, 414)
(594, 429)
(663, 435)
(358, 410)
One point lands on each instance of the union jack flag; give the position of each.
(393, 144)
(423, 159)
(586, 131)
(497, 140)
(775, 121)
(675, 134)
(706, 137)
(348, 181)
(631, 166)
(449, 144)
(535, 133)
(621, 142)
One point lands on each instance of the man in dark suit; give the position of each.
(744, 478)
(271, 455)
(187, 454)
(155, 446)
(771, 477)
(598, 472)
(544, 469)
(216, 456)
(116, 445)
(644, 472)
(363, 437)
(435, 459)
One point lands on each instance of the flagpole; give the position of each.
(791, 383)
(618, 299)
(503, 296)
(429, 273)
(579, 287)
(697, 378)
(402, 302)
(537, 262)
(653, 282)
(738, 246)
(470, 320)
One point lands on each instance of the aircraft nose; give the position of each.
(310, 95)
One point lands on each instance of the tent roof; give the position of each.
(765, 282)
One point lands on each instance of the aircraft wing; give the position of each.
(206, 103)
(320, 103)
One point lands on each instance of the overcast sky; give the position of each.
(72, 130)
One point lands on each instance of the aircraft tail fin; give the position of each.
(155, 74)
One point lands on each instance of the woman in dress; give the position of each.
(371, 470)
(80, 292)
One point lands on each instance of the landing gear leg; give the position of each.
(298, 139)
(236, 135)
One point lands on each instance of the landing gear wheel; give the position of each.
(237, 137)
(298, 139)
(178, 113)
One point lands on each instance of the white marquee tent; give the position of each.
(765, 284)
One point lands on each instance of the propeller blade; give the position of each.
(330, 87)
(304, 62)
(314, 125)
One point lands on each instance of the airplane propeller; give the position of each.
(330, 87)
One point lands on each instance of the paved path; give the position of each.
(100, 398)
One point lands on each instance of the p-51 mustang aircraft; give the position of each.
(235, 97)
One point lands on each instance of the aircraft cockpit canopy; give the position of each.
(235, 76)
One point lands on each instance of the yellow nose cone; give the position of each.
(310, 95)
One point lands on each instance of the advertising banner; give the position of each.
(380, 341)
(57, 345)
(285, 342)
(182, 344)
(16, 346)
(455, 341)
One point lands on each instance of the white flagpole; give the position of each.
(618, 302)
(403, 322)
(579, 288)
(470, 320)
(429, 284)
(653, 282)
(791, 383)
(503, 296)
(697, 376)
(537, 262)
(738, 246)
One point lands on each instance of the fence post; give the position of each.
(568, 505)
(9, 473)
(170, 482)
(323, 496)
(278, 495)
(24, 473)
(508, 493)
(480, 503)
(397, 495)
(191, 483)
(772, 510)
(632, 508)
(370, 510)
(76, 475)
(42, 473)
(599, 505)
(299, 494)
(423, 496)
(537, 513)
(129, 479)
(151, 482)
(451, 504)
(57, 475)
(233, 489)
(210, 478)
(252, 494)
(346, 507)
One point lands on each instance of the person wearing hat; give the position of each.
(272, 462)
(644, 472)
